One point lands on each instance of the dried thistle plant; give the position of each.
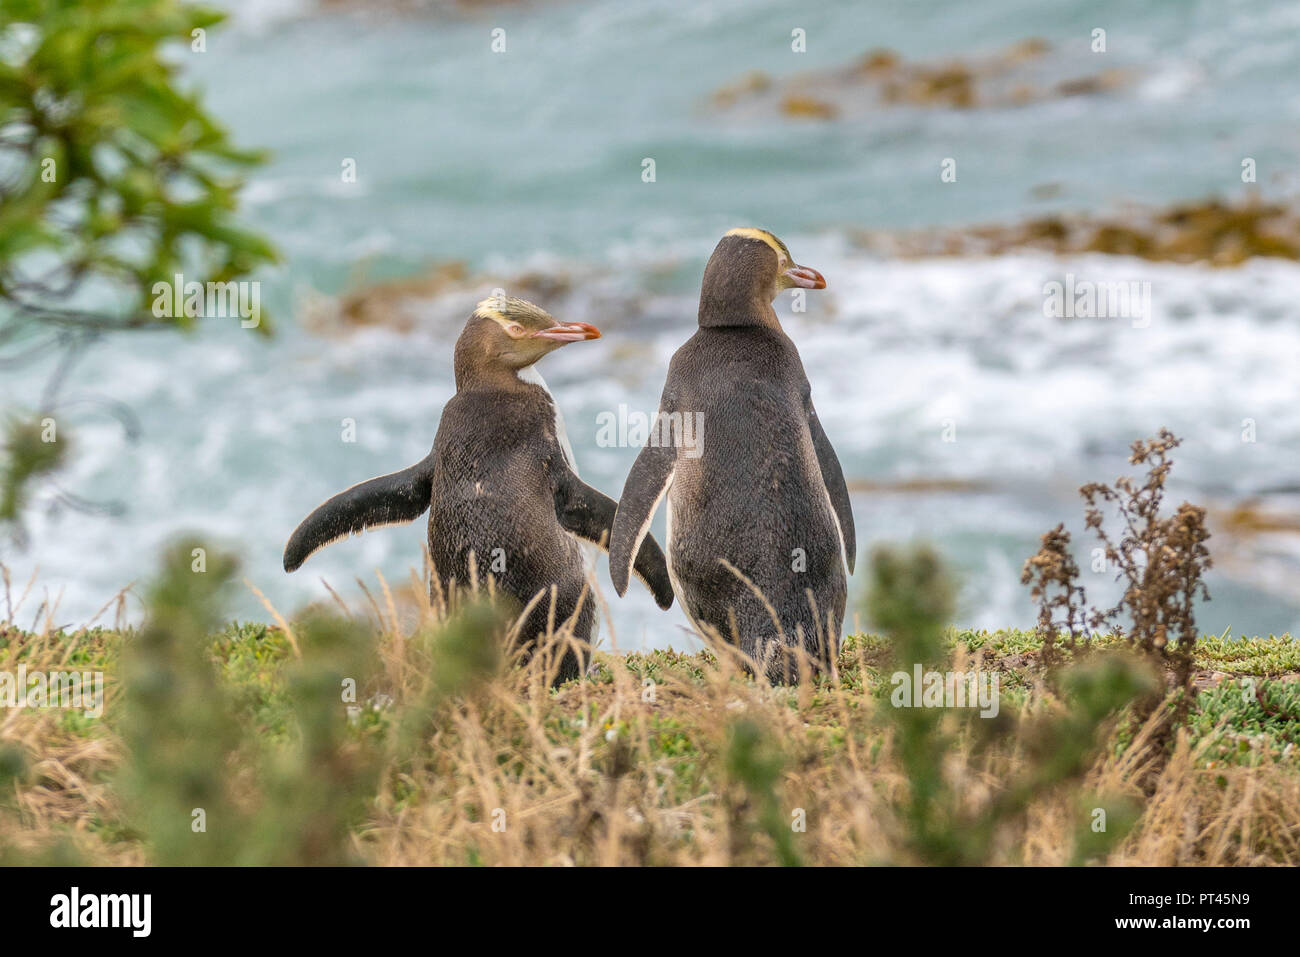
(1052, 575)
(1160, 560)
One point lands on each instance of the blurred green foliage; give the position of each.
(285, 772)
(109, 164)
(754, 762)
(112, 178)
(26, 453)
(910, 596)
(201, 786)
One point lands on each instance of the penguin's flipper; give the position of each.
(387, 500)
(589, 513)
(646, 486)
(833, 479)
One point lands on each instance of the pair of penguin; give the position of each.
(760, 531)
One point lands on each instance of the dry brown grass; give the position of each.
(637, 763)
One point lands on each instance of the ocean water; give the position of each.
(530, 161)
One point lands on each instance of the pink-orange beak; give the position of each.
(569, 332)
(805, 277)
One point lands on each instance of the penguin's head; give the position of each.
(515, 333)
(749, 266)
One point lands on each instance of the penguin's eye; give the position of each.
(514, 330)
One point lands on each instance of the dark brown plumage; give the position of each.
(504, 497)
(761, 504)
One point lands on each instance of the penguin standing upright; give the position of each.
(760, 531)
(500, 483)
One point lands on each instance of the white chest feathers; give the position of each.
(531, 375)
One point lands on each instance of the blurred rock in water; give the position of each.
(1213, 231)
(1018, 75)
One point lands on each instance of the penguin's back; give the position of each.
(493, 496)
(754, 495)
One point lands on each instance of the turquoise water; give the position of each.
(531, 160)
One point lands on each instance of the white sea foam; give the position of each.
(458, 158)
(242, 439)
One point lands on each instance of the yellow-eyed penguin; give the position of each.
(759, 503)
(500, 482)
